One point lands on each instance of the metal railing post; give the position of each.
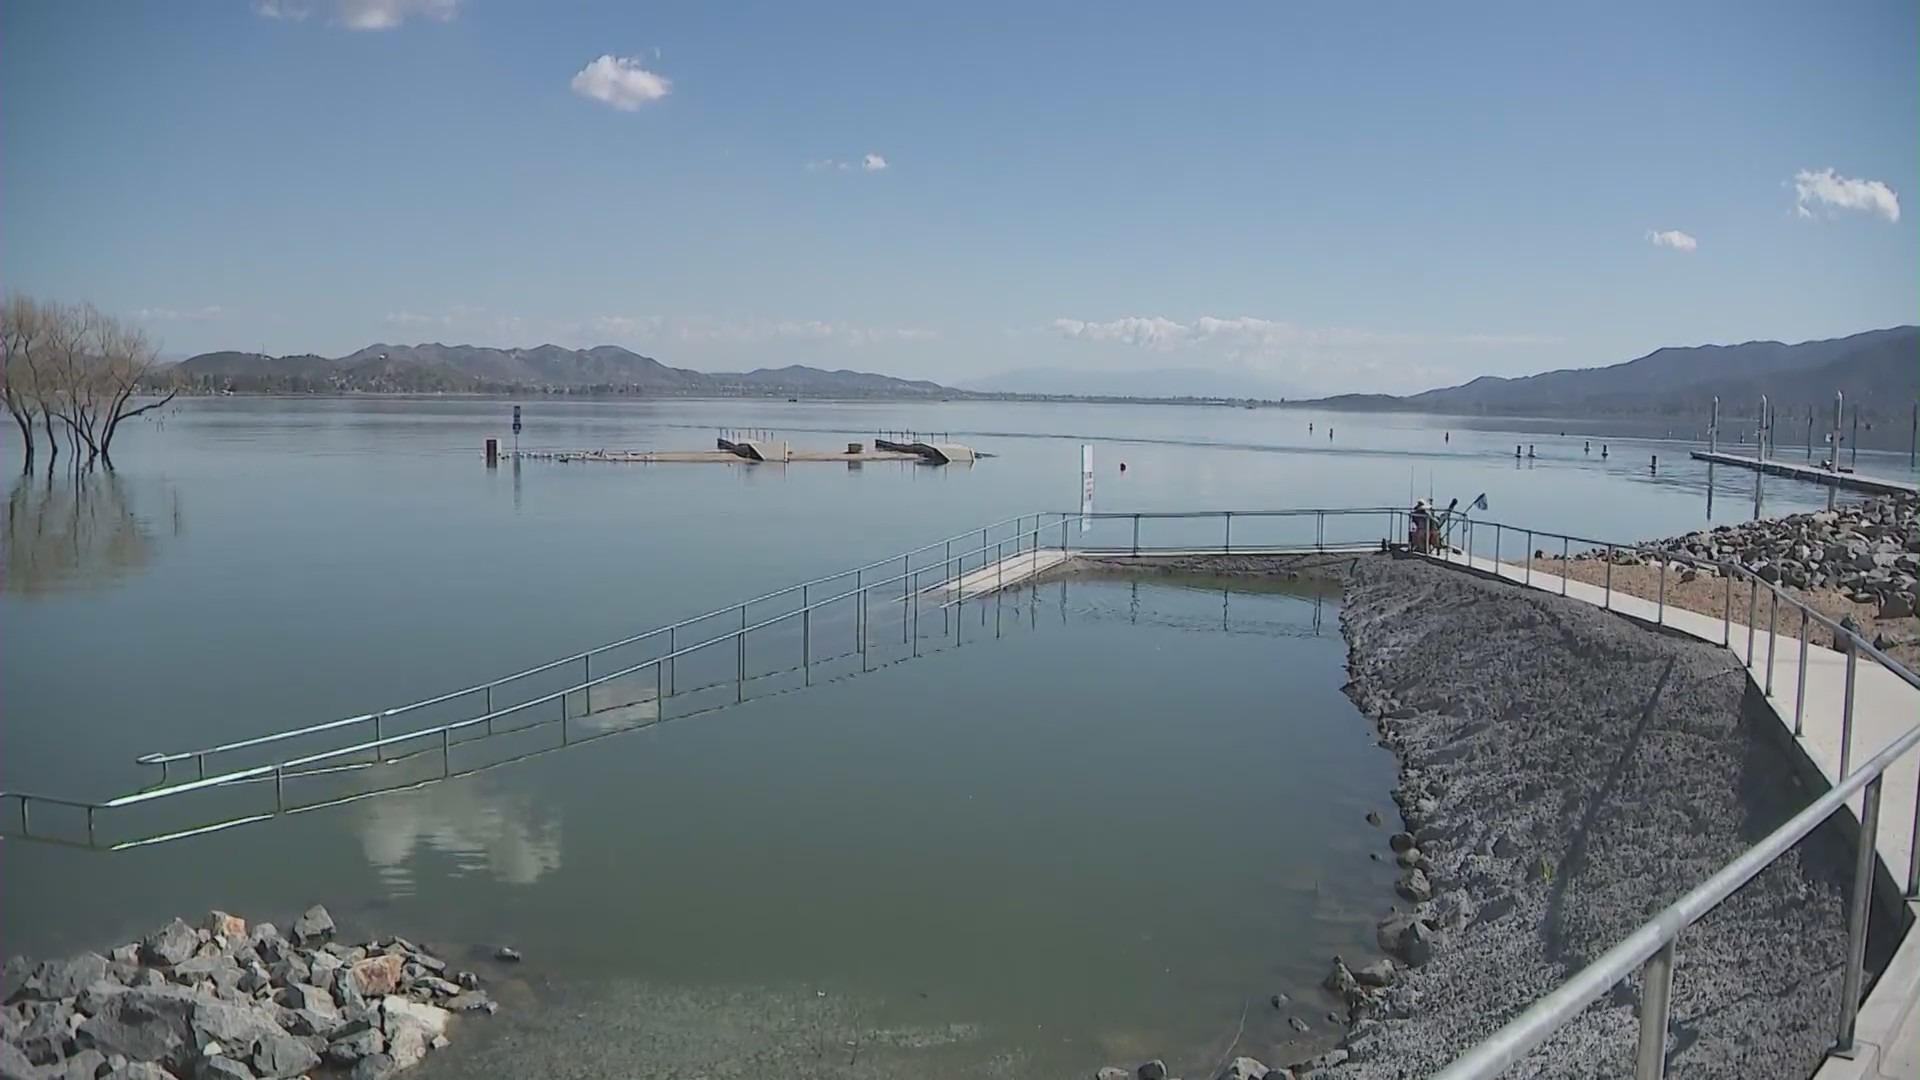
(1913, 853)
(659, 690)
(1496, 550)
(1753, 616)
(1857, 915)
(1227, 544)
(1136, 535)
(1800, 685)
(864, 618)
(1319, 530)
(906, 591)
(916, 615)
(673, 654)
(1608, 600)
(279, 795)
(1529, 580)
(446, 752)
(1566, 563)
(489, 702)
(1773, 633)
(740, 680)
(1726, 611)
(860, 609)
(1846, 712)
(1656, 1005)
(1660, 608)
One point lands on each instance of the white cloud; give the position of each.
(1832, 191)
(282, 9)
(165, 314)
(873, 163)
(824, 164)
(387, 14)
(362, 14)
(621, 82)
(1673, 238)
(1247, 335)
(869, 163)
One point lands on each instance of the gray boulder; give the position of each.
(1897, 606)
(235, 1026)
(171, 944)
(138, 1070)
(1414, 886)
(313, 926)
(83, 1065)
(356, 1041)
(46, 1034)
(1245, 1068)
(222, 1067)
(281, 1055)
(144, 1023)
(374, 1067)
(14, 1065)
(471, 1001)
(1112, 1072)
(1378, 973)
(58, 979)
(1152, 1070)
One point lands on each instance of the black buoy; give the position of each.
(1448, 437)
(1529, 449)
(1653, 465)
(1603, 449)
(1516, 451)
(1123, 466)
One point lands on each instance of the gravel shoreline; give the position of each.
(1564, 775)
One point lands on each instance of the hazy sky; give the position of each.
(1340, 196)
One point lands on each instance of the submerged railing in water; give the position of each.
(948, 574)
(943, 585)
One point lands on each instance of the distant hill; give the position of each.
(1878, 370)
(1157, 383)
(437, 368)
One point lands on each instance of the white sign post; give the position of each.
(1086, 487)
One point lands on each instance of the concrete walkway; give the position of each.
(1885, 707)
(1008, 571)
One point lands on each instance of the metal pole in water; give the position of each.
(1857, 914)
(1656, 1004)
(1833, 457)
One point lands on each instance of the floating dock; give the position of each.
(1814, 474)
(757, 451)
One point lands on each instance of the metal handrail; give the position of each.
(1654, 942)
(1656, 938)
(330, 725)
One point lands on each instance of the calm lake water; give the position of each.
(1093, 832)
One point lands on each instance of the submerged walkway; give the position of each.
(1885, 707)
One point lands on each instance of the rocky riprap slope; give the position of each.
(223, 1001)
(1869, 551)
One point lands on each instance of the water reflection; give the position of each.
(68, 530)
(482, 829)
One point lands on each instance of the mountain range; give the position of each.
(1878, 371)
(436, 368)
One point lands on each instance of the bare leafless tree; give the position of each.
(20, 331)
(77, 365)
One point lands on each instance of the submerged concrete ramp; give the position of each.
(993, 577)
(931, 453)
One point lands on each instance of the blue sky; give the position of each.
(1331, 196)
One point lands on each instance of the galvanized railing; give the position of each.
(952, 571)
(1651, 948)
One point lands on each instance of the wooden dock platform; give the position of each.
(1814, 474)
(701, 457)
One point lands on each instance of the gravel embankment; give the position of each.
(1565, 775)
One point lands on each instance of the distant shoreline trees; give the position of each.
(71, 375)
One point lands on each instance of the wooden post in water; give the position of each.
(493, 453)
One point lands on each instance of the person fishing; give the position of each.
(1423, 532)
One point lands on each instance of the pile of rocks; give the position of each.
(1869, 551)
(1240, 1068)
(227, 1002)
